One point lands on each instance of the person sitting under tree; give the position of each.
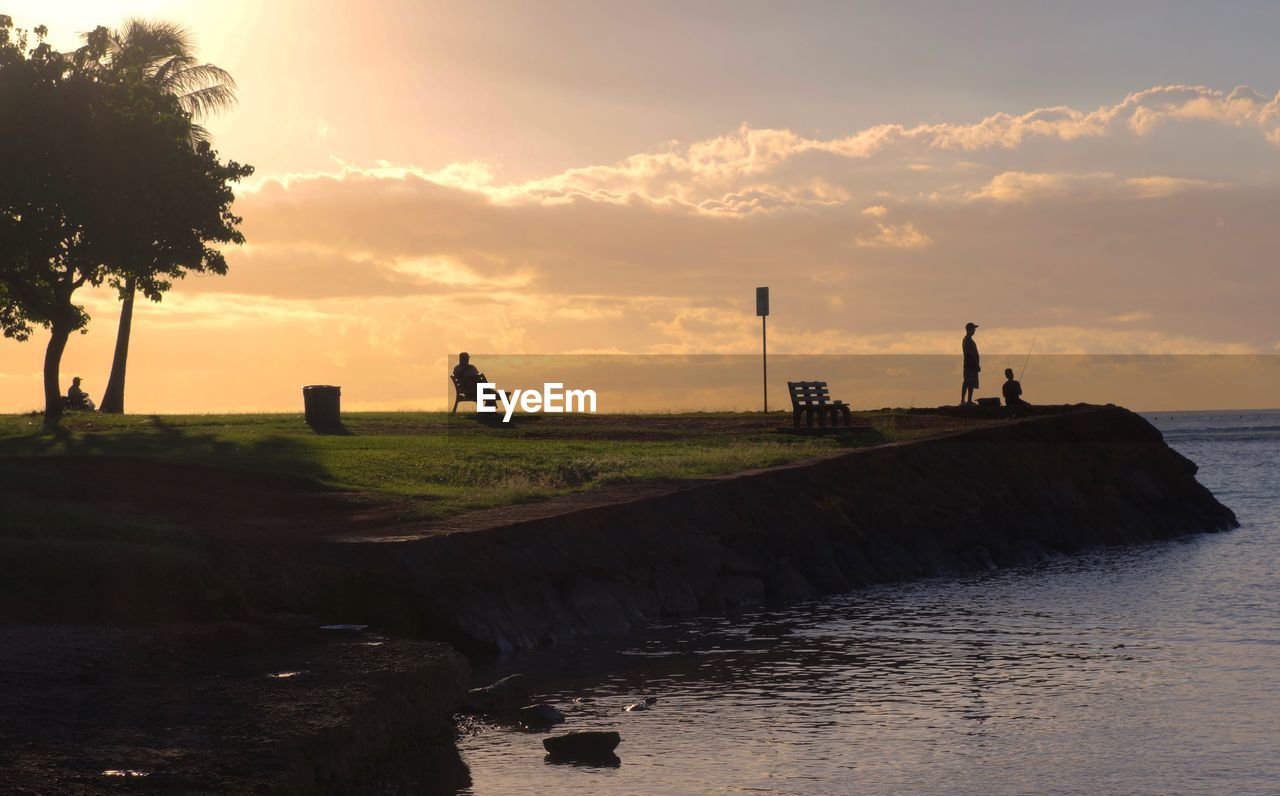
(1012, 390)
(77, 398)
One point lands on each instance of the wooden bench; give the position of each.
(813, 398)
(460, 395)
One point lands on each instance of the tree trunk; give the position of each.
(113, 395)
(52, 361)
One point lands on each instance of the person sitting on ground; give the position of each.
(467, 376)
(1012, 390)
(77, 398)
(971, 366)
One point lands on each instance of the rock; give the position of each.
(636, 706)
(503, 698)
(540, 715)
(739, 591)
(787, 585)
(583, 745)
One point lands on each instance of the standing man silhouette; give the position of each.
(971, 366)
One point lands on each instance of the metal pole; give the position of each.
(762, 309)
(764, 360)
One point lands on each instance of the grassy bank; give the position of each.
(437, 466)
(137, 516)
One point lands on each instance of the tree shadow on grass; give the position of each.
(160, 440)
(119, 522)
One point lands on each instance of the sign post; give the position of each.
(762, 309)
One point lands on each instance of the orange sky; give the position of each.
(555, 177)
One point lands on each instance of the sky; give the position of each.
(617, 178)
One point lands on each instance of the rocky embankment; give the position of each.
(996, 496)
(265, 707)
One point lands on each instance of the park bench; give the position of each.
(813, 398)
(460, 394)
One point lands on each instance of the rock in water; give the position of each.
(583, 745)
(503, 698)
(541, 715)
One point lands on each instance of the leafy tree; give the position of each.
(162, 55)
(101, 182)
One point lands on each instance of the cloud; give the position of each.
(638, 254)
(1112, 228)
(1156, 186)
(896, 236)
(1021, 186)
(1131, 317)
(751, 170)
(1243, 106)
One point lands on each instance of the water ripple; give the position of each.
(1149, 669)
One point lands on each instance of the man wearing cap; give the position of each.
(77, 398)
(465, 378)
(971, 366)
(465, 372)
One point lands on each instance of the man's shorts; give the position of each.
(970, 380)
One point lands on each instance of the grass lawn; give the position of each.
(442, 466)
(125, 517)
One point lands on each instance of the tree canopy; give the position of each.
(101, 182)
(161, 54)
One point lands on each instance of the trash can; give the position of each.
(323, 404)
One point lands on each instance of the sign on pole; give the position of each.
(762, 309)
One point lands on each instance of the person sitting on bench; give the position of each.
(77, 398)
(1012, 390)
(467, 376)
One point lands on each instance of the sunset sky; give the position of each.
(548, 177)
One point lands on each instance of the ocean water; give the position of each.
(1153, 669)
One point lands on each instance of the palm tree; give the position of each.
(162, 54)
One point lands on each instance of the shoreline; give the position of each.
(982, 498)
(612, 559)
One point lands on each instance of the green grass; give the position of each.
(83, 537)
(445, 466)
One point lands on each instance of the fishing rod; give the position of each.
(1028, 359)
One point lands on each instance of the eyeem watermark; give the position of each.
(553, 399)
